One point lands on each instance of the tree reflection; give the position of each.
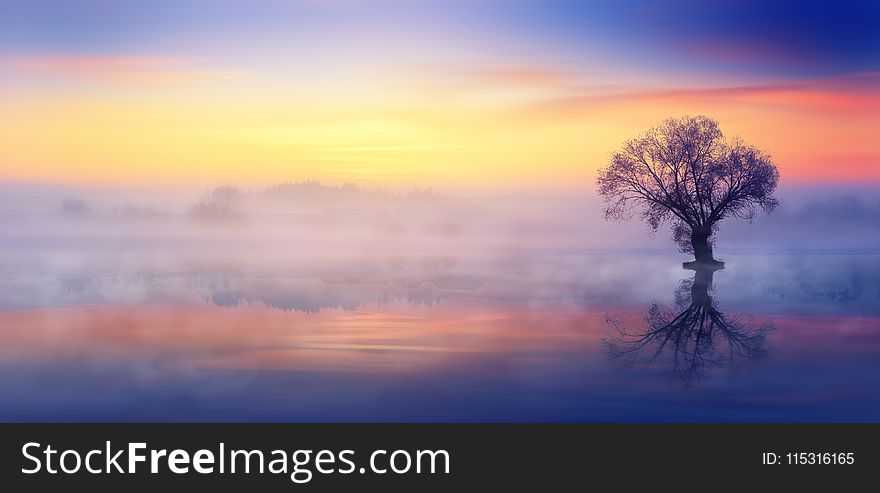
(693, 337)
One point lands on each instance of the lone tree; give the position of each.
(684, 172)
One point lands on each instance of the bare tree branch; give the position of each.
(685, 170)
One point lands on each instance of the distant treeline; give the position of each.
(316, 190)
(227, 203)
(845, 207)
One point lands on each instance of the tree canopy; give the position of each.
(685, 171)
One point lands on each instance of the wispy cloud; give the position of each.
(854, 93)
(126, 69)
(522, 75)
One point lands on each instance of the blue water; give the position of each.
(513, 339)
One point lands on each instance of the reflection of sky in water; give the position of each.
(514, 338)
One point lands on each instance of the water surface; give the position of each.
(466, 338)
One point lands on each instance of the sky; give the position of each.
(395, 93)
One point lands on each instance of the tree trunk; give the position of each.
(702, 248)
(700, 288)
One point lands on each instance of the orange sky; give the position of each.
(160, 121)
(446, 94)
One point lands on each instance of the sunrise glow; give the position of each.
(151, 93)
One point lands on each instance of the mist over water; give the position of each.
(313, 302)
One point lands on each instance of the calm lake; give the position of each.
(512, 338)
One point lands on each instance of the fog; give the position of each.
(308, 246)
(74, 231)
